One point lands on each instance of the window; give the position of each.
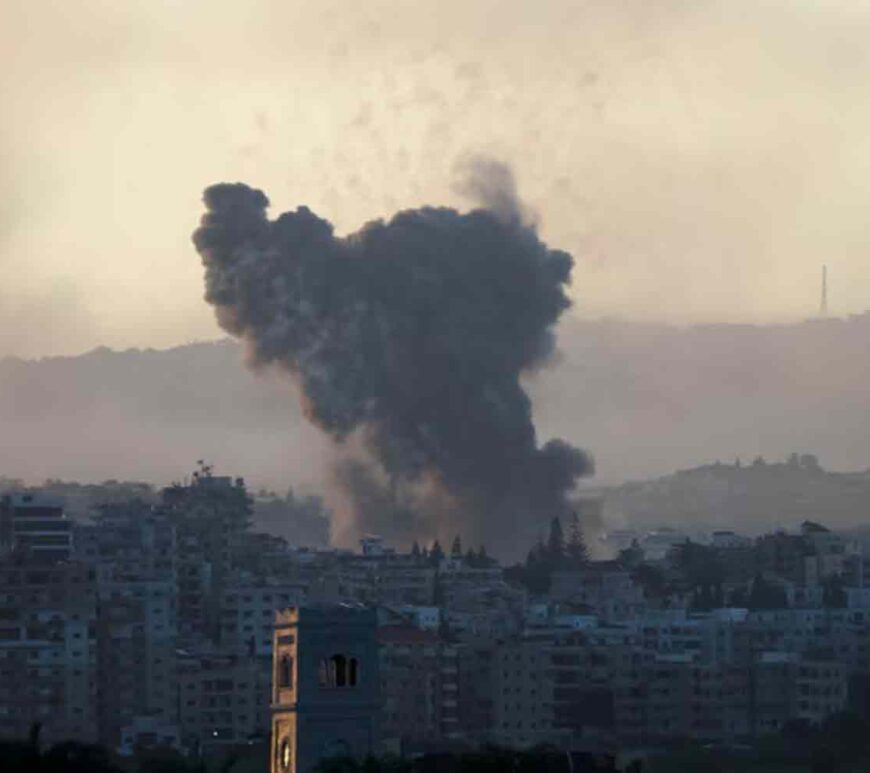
(339, 671)
(285, 672)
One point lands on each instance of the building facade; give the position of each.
(325, 698)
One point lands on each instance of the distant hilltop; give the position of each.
(750, 498)
(644, 399)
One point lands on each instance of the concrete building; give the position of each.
(131, 547)
(223, 700)
(128, 540)
(677, 696)
(247, 614)
(137, 639)
(48, 651)
(384, 577)
(148, 733)
(40, 527)
(604, 587)
(419, 688)
(325, 699)
(476, 690)
(211, 516)
(522, 694)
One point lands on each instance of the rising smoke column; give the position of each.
(409, 338)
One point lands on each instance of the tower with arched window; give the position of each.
(324, 686)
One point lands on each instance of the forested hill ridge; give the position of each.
(644, 399)
(750, 498)
(148, 415)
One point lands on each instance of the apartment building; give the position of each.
(40, 527)
(247, 613)
(137, 639)
(48, 650)
(419, 687)
(522, 694)
(604, 587)
(222, 699)
(676, 696)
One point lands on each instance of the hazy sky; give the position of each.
(700, 158)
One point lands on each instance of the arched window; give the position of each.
(285, 755)
(339, 671)
(285, 672)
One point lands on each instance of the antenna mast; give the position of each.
(823, 305)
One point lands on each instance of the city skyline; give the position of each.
(434, 385)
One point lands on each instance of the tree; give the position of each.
(415, 550)
(556, 542)
(456, 548)
(436, 553)
(576, 551)
(631, 556)
(538, 569)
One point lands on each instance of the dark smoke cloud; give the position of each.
(490, 184)
(410, 336)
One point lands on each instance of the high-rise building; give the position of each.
(325, 694)
(137, 636)
(210, 517)
(48, 650)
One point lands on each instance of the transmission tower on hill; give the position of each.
(823, 304)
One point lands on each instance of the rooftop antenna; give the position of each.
(823, 305)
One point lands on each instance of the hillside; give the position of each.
(148, 415)
(749, 498)
(644, 399)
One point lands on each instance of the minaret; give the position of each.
(823, 305)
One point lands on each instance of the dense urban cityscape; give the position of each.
(434, 387)
(156, 625)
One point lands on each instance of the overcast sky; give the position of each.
(700, 158)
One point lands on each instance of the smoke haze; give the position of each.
(411, 336)
(700, 160)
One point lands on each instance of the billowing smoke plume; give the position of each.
(408, 339)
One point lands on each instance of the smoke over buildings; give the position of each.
(407, 340)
